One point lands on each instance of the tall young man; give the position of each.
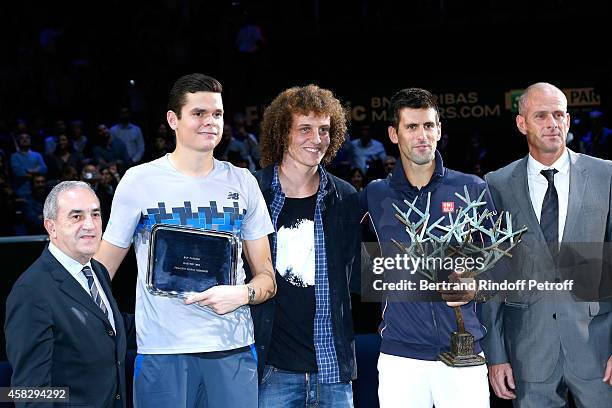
(305, 334)
(191, 356)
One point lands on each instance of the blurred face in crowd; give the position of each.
(389, 164)
(62, 142)
(105, 176)
(103, 132)
(77, 229)
(308, 140)
(39, 186)
(417, 135)
(200, 125)
(24, 141)
(545, 122)
(357, 179)
(89, 173)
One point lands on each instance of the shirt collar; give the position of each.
(562, 165)
(398, 177)
(276, 185)
(72, 266)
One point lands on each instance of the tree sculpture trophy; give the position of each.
(473, 232)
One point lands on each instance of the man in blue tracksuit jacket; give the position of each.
(415, 332)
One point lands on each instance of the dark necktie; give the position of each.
(93, 289)
(549, 217)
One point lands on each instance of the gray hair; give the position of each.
(50, 208)
(522, 100)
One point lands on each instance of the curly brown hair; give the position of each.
(303, 100)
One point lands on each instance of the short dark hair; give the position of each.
(278, 120)
(413, 98)
(191, 83)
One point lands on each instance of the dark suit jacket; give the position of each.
(56, 336)
(527, 329)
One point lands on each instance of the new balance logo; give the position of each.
(233, 196)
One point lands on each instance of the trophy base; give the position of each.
(462, 352)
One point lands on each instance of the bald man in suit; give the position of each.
(540, 344)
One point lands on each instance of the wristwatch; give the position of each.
(251, 294)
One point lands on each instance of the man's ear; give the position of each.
(392, 134)
(50, 227)
(520, 124)
(172, 120)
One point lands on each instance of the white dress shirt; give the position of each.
(538, 186)
(74, 268)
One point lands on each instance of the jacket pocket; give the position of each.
(516, 305)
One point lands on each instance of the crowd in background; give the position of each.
(36, 156)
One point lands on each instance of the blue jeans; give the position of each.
(286, 389)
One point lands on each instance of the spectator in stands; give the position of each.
(103, 183)
(233, 150)
(69, 173)
(33, 209)
(130, 134)
(109, 150)
(597, 141)
(160, 143)
(78, 139)
(7, 200)
(371, 149)
(357, 179)
(62, 157)
(249, 139)
(347, 158)
(51, 140)
(389, 164)
(24, 164)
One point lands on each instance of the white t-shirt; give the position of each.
(228, 199)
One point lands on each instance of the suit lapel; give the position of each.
(71, 287)
(520, 190)
(577, 186)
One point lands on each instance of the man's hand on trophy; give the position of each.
(502, 380)
(457, 297)
(221, 299)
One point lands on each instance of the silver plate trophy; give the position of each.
(185, 260)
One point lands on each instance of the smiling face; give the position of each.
(200, 125)
(545, 122)
(417, 135)
(308, 140)
(77, 227)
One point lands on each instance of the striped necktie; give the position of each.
(93, 289)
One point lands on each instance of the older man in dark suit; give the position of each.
(540, 344)
(63, 327)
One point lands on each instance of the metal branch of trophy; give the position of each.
(456, 238)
